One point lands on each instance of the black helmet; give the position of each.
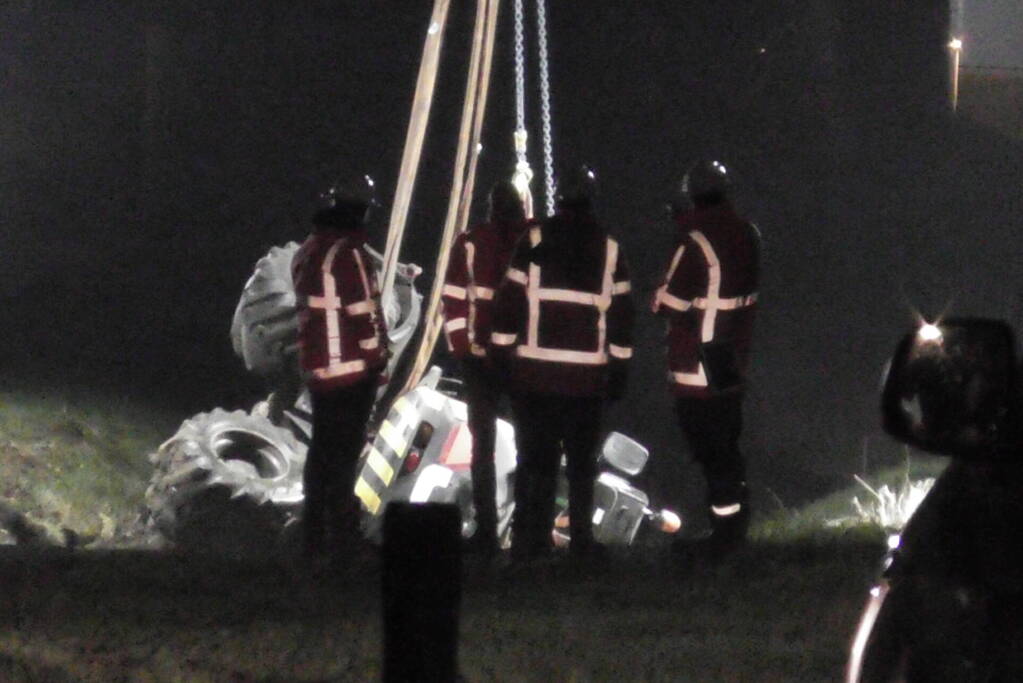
(577, 188)
(346, 202)
(505, 202)
(706, 182)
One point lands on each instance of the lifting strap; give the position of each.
(418, 120)
(463, 182)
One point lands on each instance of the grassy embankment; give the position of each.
(74, 468)
(782, 610)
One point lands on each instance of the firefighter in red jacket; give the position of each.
(478, 261)
(563, 331)
(709, 297)
(342, 352)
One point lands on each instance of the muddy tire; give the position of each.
(227, 482)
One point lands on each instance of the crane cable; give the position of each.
(420, 116)
(463, 182)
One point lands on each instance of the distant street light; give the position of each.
(956, 45)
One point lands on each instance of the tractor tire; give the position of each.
(264, 329)
(227, 483)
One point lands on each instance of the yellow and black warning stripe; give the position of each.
(386, 454)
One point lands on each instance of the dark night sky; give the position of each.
(149, 154)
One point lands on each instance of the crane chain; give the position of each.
(520, 84)
(545, 104)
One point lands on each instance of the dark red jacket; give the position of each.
(709, 294)
(564, 311)
(341, 336)
(476, 267)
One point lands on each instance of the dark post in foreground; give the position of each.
(421, 591)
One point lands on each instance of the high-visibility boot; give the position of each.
(729, 522)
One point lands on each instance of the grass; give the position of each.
(781, 613)
(782, 609)
(855, 509)
(772, 613)
(76, 464)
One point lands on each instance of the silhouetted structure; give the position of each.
(421, 592)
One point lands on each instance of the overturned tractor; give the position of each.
(231, 481)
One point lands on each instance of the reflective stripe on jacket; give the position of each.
(564, 319)
(709, 294)
(341, 336)
(476, 267)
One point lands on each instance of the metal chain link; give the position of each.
(523, 175)
(520, 85)
(545, 104)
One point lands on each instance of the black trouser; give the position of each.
(712, 427)
(331, 510)
(482, 389)
(285, 387)
(545, 426)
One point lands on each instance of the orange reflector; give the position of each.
(670, 522)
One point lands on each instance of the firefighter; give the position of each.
(342, 353)
(709, 298)
(563, 333)
(478, 261)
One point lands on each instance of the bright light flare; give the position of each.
(956, 44)
(929, 332)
